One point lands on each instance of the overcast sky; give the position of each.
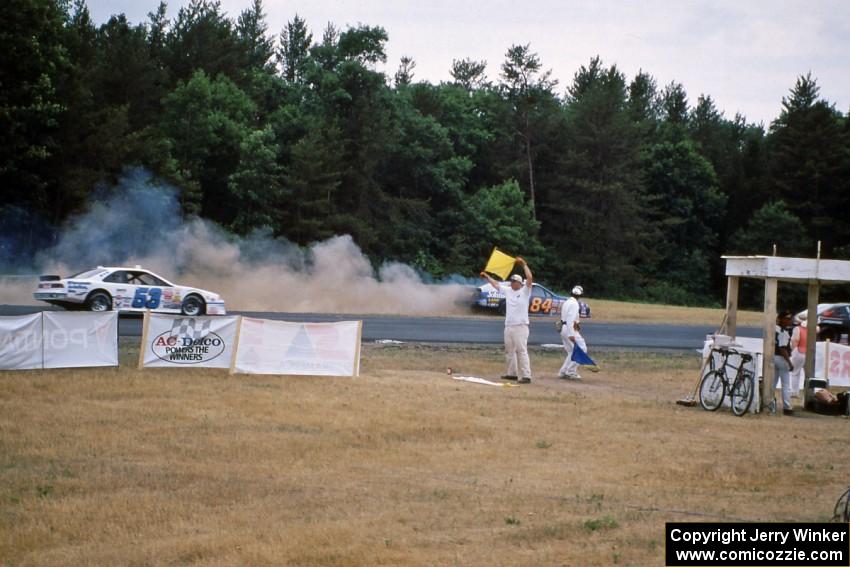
(746, 54)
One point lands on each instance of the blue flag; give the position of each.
(581, 357)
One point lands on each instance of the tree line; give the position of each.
(630, 188)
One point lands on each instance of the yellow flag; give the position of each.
(500, 264)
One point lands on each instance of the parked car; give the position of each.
(833, 321)
(126, 290)
(543, 301)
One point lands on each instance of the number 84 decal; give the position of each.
(538, 304)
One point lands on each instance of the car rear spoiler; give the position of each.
(49, 278)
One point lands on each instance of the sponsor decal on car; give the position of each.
(78, 288)
(189, 341)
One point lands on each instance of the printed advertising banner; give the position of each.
(177, 341)
(20, 342)
(309, 349)
(74, 340)
(839, 364)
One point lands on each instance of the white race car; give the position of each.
(126, 290)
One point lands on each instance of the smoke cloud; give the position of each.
(139, 222)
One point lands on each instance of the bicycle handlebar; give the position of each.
(723, 350)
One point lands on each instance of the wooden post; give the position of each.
(811, 338)
(826, 362)
(731, 327)
(768, 347)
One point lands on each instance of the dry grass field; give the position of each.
(401, 466)
(627, 312)
(610, 311)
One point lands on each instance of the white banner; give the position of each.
(74, 340)
(20, 342)
(839, 364)
(175, 341)
(310, 349)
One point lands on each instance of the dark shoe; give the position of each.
(525, 380)
(508, 377)
(787, 412)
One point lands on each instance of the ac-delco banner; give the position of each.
(174, 341)
(310, 349)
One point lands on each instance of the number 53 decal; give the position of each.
(147, 297)
(538, 304)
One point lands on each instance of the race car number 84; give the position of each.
(147, 297)
(537, 304)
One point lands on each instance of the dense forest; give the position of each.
(632, 188)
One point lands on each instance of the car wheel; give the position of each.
(192, 306)
(99, 302)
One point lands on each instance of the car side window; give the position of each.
(542, 293)
(143, 278)
(118, 277)
(541, 300)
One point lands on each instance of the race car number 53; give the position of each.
(147, 297)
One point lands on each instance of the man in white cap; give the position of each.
(517, 296)
(570, 334)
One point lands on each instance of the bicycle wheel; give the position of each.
(741, 395)
(712, 390)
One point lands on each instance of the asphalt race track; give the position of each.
(482, 330)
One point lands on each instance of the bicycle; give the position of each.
(716, 382)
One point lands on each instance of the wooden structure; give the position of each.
(812, 272)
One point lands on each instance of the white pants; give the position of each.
(783, 374)
(516, 350)
(570, 368)
(798, 359)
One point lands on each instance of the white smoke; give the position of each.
(140, 224)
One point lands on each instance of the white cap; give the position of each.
(578, 290)
(516, 278)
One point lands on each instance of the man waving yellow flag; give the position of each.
(500, 264)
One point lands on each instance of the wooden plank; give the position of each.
(731, 327)
(789, 269)
(748, 266)
(145, 324)
(811, 338)
(768, 347)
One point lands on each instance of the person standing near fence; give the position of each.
(517, 296)
(798, 356)
(782, 360)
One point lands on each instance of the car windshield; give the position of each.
(86, 274)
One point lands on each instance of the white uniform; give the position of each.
(516, 330)
(570, 316)
(780, 366)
